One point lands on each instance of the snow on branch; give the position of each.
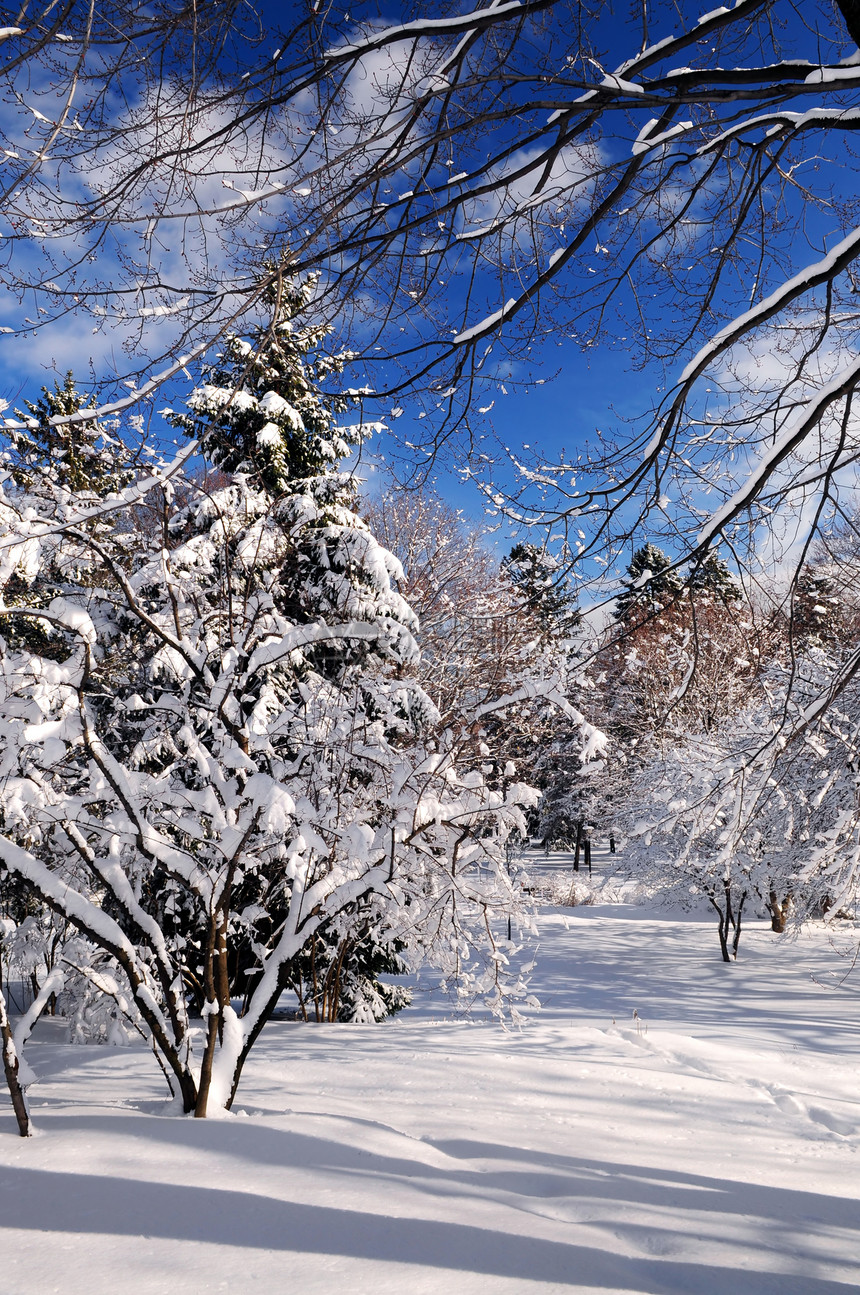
(476, 20)
(794, 435)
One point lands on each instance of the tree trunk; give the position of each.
(778, 911)
(212, 1013)
(263, 1016)
(10, 1066)
(578, 846)
(724, 916)
(214, 1024)
(736, 941)
(724, 935)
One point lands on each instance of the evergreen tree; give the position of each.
(68, 455)
(262, 417)
(64, 467)
(816, 608)
(262, 411)
(651, 585)
(712, 577)
(545, 593)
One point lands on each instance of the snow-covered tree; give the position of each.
(473, 632)
(681, 650)
(498, 645)
(652, 583)
(221, 757)
(816, 611)
(759, 812)
(61, 441)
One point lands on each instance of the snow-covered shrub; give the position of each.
(561, 889)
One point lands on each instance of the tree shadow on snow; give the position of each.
(673, 972)
(101, 1205)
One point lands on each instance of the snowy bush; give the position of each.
(563, 890)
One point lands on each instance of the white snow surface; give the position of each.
(709, 1144)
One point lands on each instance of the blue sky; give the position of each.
(598, 387)
(26, 362)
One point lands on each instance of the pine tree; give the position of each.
(545, 592)
(262, 411)
(262, 417)
(651, 586)
(712, 577)
(63, 467)
(68, 455)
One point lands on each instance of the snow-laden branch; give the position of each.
(794, 435)
(52, 984)
(36, 528)
(549, 691)
(117, 406)
(268, 654)
(476, 20)
(152, 843)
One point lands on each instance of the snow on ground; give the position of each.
(708, 1145)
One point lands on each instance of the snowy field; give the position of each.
(708, 1145)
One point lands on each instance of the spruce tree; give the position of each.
(712, 577)
(263, 417)
(67, 467)
(264, 421)
(69, 455)
(545, 592)
(816, 608)
(651, 584)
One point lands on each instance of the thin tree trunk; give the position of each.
(730, 917)
(724, 916)
(10, 1067)
(299, 986)
(262, 1019)
(736, 941)
(724, 936)
(202, 1103)
(223, 978)
(335, 1003)
(212, 1012)
(578, 846)
(314, 977)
